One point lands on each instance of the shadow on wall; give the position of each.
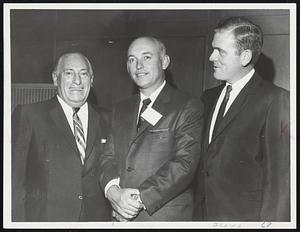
(265, 68)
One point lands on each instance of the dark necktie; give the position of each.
(146, 102)
(79, 134)
(222, 109)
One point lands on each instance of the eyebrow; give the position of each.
(143, 53)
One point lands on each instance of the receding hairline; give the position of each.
(158, 43)
(76, 54)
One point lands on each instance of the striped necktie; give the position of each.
(79, 134)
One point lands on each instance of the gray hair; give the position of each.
(64, 56)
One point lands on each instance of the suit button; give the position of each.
(80, 197)
(129, 169)
(205, 172)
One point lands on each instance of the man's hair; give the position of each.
(160, 45)
(59, 61)
(247, 35)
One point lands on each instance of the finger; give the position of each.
(134, 203)
(126, 212)
(132, 191)
(126, 215)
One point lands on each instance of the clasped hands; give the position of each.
(126, 202)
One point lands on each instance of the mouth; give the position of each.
(76, 90)
(141, 74)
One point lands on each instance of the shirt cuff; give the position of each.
(111, 183)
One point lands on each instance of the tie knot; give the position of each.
(75, 110)
(146, 101)
(228, 89)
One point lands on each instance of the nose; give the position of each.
(77, 79)
(213, 55)
(139, 64)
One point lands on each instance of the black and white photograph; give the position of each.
(159, 116)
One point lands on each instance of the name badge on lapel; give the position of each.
(151, 116)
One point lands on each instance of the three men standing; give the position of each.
(159, 137)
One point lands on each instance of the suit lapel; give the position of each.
(159, 105)
(129, 118)
(58, 116)
(238, 104)
(209, 115)
(93, 125)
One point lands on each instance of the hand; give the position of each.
(122, 201)
(118, 217)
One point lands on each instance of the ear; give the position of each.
(246, 57)
(165, 62)
(54, 78)
(92, 79)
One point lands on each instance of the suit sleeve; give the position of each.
(21, 138)
(276, 148)
(107, 166)
(176, 175)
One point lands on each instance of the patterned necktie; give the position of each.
(79, 134)
(146, 102)
(222, 109)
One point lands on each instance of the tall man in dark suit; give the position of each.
(154, 150)
(245, 168)
(55, 148)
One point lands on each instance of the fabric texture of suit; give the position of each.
(244, 174)
(49, 182)
(159, 160)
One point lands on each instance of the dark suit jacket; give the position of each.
(49, 182)
(246, 167)
(159, 160)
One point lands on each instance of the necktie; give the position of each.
(79, 134)
(146, 102)
(222, 108)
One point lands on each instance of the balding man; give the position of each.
(55, 145)
(155, 144)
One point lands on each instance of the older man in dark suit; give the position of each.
(55, 148)
(245, 168)
(155, 144)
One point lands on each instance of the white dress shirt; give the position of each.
(82, 114)
(152, 97)
(236, 89)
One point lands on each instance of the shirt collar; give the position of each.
(154, 95)
(243, 81)
(68, 109)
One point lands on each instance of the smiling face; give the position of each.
(228, 64)
(73, 79)
(146, 64)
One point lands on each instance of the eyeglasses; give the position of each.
(70, 73)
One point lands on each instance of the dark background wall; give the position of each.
(39, 37)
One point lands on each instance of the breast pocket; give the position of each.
(160, 134)
(161, 146)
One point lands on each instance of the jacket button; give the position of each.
(129, 169)
(205, 172)
(80, 197)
